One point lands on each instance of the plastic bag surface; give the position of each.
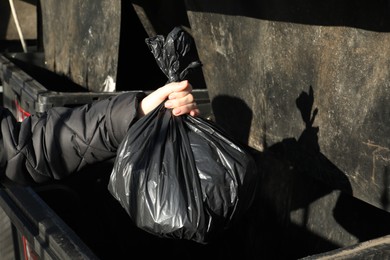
(181, 177)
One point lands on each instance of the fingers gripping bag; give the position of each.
(181, 176)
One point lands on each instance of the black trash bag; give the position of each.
(181, 177)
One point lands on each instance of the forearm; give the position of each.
(65, 140)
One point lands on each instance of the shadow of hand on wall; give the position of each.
(307, 153)
(293, 173)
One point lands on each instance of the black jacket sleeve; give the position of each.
(64, 140)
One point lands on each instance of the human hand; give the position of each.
(179, 96)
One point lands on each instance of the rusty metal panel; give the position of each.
(82, 42)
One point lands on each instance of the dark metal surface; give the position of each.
(50, 236)
(82, 42)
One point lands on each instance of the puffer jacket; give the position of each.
(63, 140)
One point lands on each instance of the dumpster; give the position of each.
(30, 229)
(305, 84)
(82, 212)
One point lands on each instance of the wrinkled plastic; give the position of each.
(181, 177)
